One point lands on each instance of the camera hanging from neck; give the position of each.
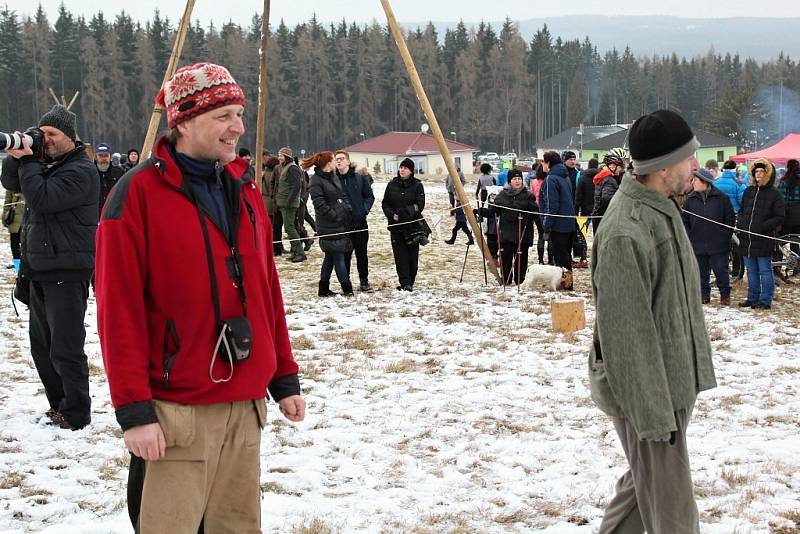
(235, 335)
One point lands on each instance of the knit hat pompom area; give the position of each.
(197, 89)
(659, 140)
(61, 119)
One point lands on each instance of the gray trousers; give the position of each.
(656, 493)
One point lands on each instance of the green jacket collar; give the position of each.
(636, 191)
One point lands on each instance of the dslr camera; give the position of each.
(33, 135)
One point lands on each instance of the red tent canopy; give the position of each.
(785, 149)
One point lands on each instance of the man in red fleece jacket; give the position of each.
(191, 318)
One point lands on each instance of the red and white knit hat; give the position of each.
(196, 89)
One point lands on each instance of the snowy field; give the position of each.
(454, 409)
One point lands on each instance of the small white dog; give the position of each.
(544, 275)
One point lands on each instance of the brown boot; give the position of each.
(706, 299)
(725, 301)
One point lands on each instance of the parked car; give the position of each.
(489, 157)
(508, 156)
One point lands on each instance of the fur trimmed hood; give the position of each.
(765, 164)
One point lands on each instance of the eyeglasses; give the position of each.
(340, 158)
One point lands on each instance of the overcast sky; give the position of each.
(293, 11)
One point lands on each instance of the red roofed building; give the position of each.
(389, 149)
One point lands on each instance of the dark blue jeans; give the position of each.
(719, 264)
(334, 261)
(760, 279)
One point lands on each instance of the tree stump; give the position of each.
(568, 315)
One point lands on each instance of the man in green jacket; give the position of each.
(650, 354)
(287, 198)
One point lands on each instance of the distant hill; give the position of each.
(761, 38)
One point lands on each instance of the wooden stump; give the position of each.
(568, 315)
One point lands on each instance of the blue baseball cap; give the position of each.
(102, 148)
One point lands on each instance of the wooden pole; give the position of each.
(437, 134)
(74, 97)
(172, 66)
(262, 97)
(53, 93)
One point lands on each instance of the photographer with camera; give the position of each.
(191, 317)
(61, 190)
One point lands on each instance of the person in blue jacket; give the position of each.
(558, 208)
(710, 241)
(502, 178)
(730, 185)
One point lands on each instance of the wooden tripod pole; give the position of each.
(437, 134)
(261, 117)
(172, 66)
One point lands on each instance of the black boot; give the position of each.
(452, 240)
(470, 240)
(325, 289)
(347, 289)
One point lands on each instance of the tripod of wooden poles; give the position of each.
(413, 76)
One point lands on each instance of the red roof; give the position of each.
(785, 149)
(406, 144)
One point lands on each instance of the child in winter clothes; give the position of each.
(461, 224)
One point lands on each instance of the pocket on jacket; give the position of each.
(178, 422)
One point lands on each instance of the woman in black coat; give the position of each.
(333, 213)
(515, 227)
(403, 202)
(763, 212)
(710, 241)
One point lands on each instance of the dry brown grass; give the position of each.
(406, 365)
(356, 340)
(274, 487)
(302, 343)
(314, 526)
(517, 516)
(734, 478)
(12, 480)
(110, 470)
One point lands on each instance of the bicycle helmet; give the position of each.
(613, 157)
(620, 152)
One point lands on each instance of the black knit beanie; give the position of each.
(660, 140)
(60, 118)
(512, 173)
(408, 163)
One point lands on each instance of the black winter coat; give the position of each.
(706, 237)
(763, 212)
(406, 198)
(331, 203)
(61, 214)
(604, 191)
(584, 196)
(359, 191)
(516, 225)
(107, 180)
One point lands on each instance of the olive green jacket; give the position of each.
(289, 186)
(13, 209)
(650, 353)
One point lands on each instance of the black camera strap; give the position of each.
(234, 261)
(235, 272)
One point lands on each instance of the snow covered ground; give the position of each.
(454, 408)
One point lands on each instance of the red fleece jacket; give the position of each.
(154, 307)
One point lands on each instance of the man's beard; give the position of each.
(103, 167)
